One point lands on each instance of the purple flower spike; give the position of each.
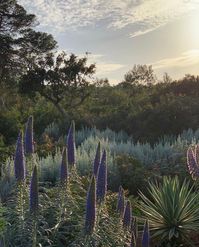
(120, 202)
(127, 216)
(19, 161)
(91, 207)
(197, 153)
(29, 143)
(102, 179)
(64, 168)
(192, 164)
(145, 235)
(71, 144)
(34, 194)
(96, 161)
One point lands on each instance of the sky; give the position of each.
(118, 34)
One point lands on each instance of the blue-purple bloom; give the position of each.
(71, 144)
(120, 201)
(91, 207)
(34, 194)
(19, 160)
(64, 168)
(145, 235)
(192, 164)
(127, 216)
(28, 141)
(96, 162)
(197, 153)
(102, 179)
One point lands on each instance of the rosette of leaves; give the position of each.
(172, 210)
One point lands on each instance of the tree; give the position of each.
(140, 74)
(63, 80)
(20, 44)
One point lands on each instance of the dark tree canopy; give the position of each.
(19, 43)
(63, 80)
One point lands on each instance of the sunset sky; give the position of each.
(119, 34)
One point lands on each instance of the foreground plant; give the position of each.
(172, 210)
(28, 140)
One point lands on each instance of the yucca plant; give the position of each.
(172, 210)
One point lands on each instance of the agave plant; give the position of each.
(172, 210)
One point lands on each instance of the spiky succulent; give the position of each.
(172, 210)
(192, 164)
(102, 179)
(96, 162)
(127, 216)
(120, 201)
(133, 242)
(34, 194)
(145, 235)
(134, 228)
(19, 160)
(91, 207)
(71, 145)
(64, 168)
(28, 141)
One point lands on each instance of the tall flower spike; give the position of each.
(91, 207)
(19, 161)
(120, 202)
(127, 216)
(192, 164)
(71, 144)
(29, 143)
(145, 235)
(102, 179)
(197, 153)
(64, 168)
(34, 194)
(96, 162)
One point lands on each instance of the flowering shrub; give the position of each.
(73, 210)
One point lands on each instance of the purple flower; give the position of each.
(145, 235)
(197, 153)
(120, 202)
(102, 179)
(90, 207)
(192, 164)
(19, 161)
(64, 167)
(29, 143)
(127, 216)
(71, 144)
(96, 161)
(34, 195)
(134, 227)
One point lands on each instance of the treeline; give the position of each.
(56, 88)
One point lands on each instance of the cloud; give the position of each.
(103, 66)
(186, 59)
(142, 15)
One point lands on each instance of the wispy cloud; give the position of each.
(143, 15)
(104, 66)
(186, 59)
